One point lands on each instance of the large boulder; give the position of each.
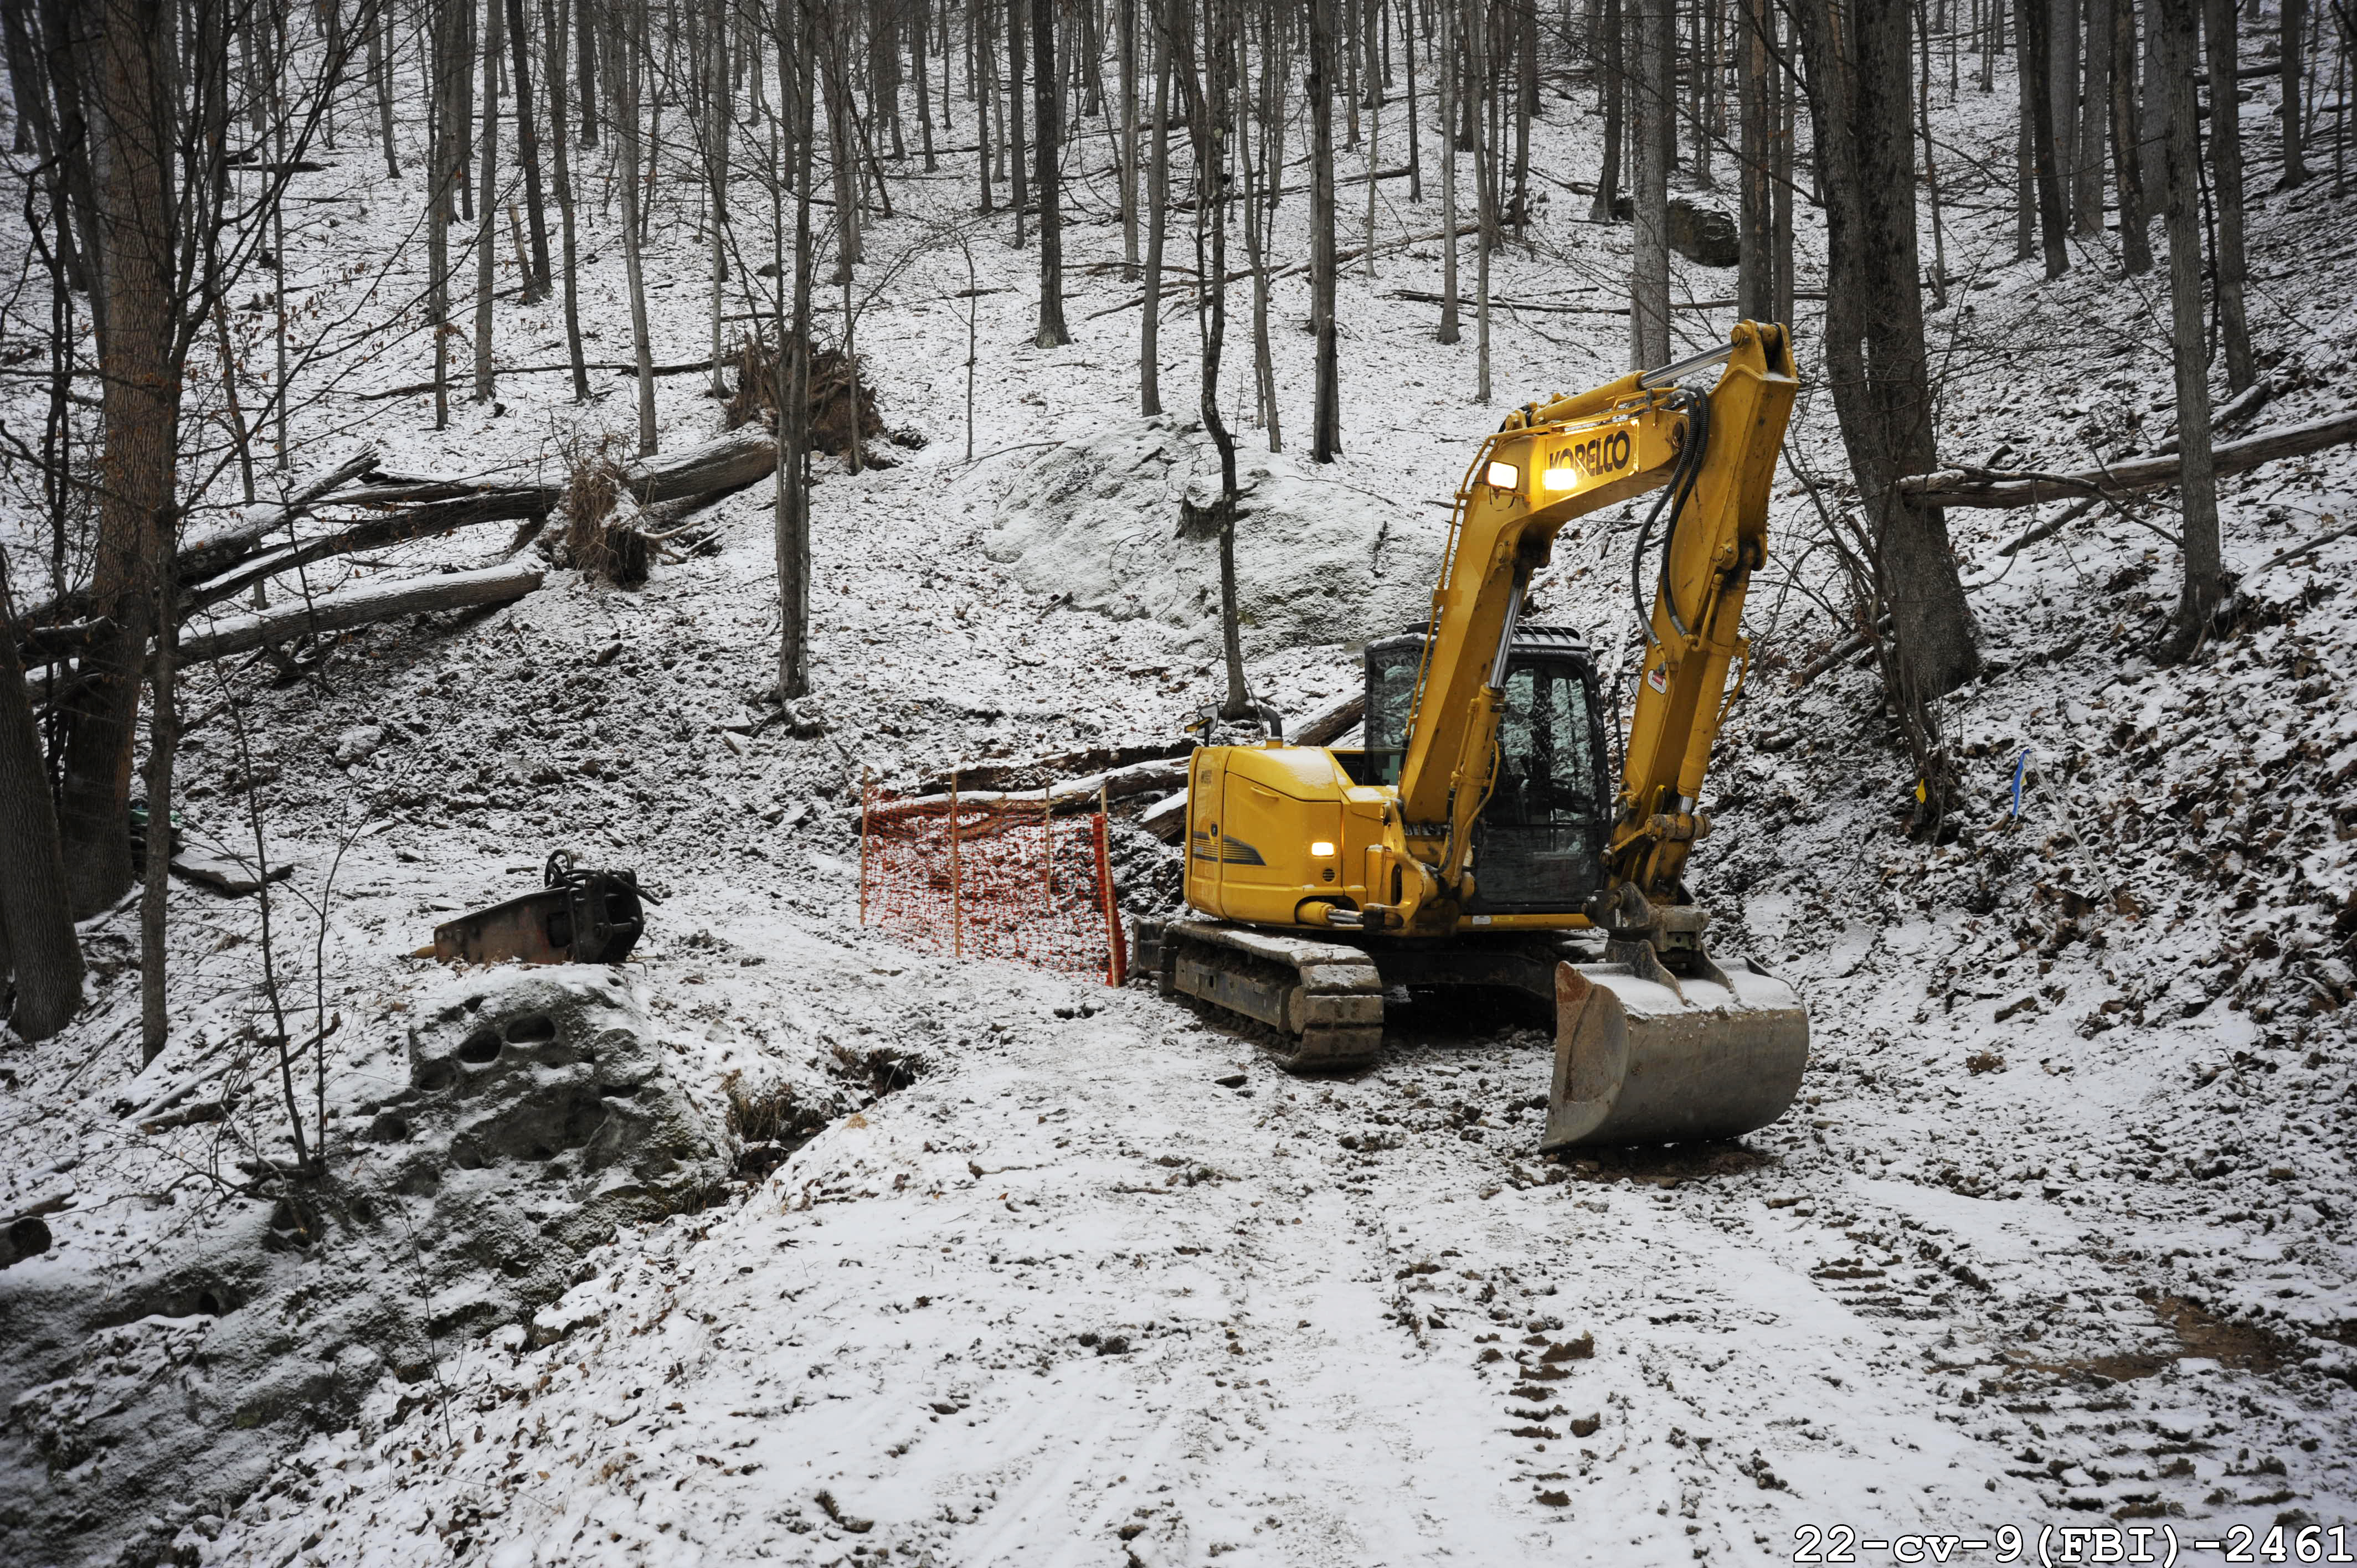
(1122, 522)
(541, 1108)
(1703, 235)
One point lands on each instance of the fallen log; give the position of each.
(415, 389)
(215, 549)
(1072, 795)
(1987, 487)
(360, 606)
(48, 645)
(200, 557)
(735, 460)
(523, 503)
(1015, 776)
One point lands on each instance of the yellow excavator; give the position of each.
(1468, 843)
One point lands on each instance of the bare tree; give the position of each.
(1205, 90)
(487, 202)
(629, 20)
(1612, 87)
(2127, 159)
(1755, 284)
(1048, 110)
(1649, 277)
(2204, 587)
(2293, 54)
(2094, 120)
(1860, 94)
(1326, 423)
(1127, 22)
(1449, 81)
(37, 927)
(536, 286)
(555, 16)
(2226, 168)
(1157, 205)
(2035, 19)
(1485, 186)
(792, 525)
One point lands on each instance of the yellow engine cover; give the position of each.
(1271, 827)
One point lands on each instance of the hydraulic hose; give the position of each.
(1688, 469)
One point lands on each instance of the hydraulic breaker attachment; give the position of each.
(578, 916)
(1642, 1056)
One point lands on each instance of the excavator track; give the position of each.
(1321, 1003)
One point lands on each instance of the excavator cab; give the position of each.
(1538, 847)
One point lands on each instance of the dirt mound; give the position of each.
(1112, 521)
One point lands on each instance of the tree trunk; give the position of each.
(719, 117)
(1874, 352)
(553, 19)
(74, 48)
(2295, 50)
(1648, 276)
(1614, 87)
(1018, 194)
(2226, 169)
(919, 45)
(1206, 98)
(1449, 83)
(163, 741)
(628, 69)
(1326, 424)
(37, 927)
(1755, 278)
(2204, 585)
(2062, 94)
(1485, 191)
(2152, 139)
(441, 158)
(486, 201)
(1786, 116)
(2094, 120)
(842, 142)
(591, 27)
(2127, 160)
(984, 81)
(1930, 159)
(1414, 126)
(1048, 110)
(1127, 22)
(793, 422)
(1157, 205)
(379, 24)
(1258, 214)
(140, 418)
(2035, 24)
(528, 152)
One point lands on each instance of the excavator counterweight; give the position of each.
(1474, 841)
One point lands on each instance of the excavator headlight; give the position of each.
(1559, 478)
(1321, 849)
(1505, 476)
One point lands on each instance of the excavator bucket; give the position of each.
(1642, 1056)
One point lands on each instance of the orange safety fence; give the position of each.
(991, 877)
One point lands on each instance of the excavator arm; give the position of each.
(1713, 455)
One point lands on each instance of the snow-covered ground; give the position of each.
(2059, 1234)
